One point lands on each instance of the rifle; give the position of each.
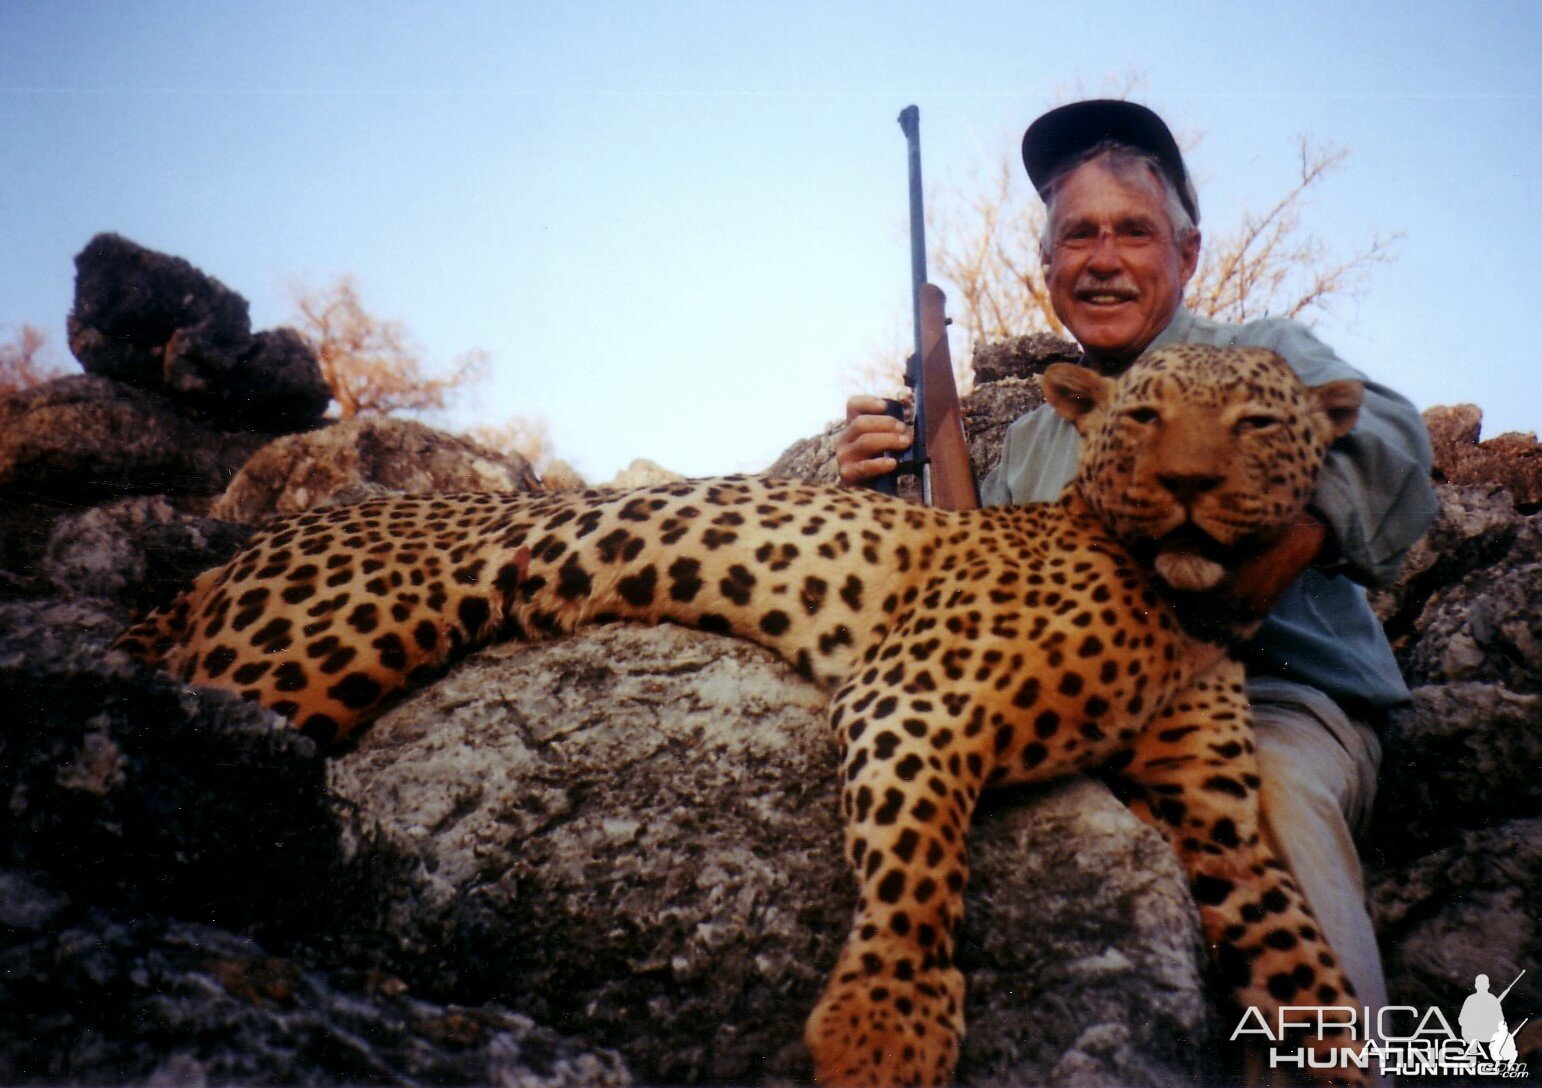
(1511, 987)
(939, 453)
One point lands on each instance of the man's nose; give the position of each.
(1105, 253)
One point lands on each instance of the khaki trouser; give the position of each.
(1319, 781)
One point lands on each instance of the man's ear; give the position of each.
(1340, 402)
(1075, 392)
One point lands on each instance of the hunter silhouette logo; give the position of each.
(1483, 1023)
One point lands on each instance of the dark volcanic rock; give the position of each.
(94, 998)
(84, 438)
(1462, 756)
(1466, 910)
(155, 321)
(136, 790)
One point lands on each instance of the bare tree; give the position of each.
(25, 360)
(985, 247)
(371, 364)
(530, 437)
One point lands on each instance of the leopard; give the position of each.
(962, 651)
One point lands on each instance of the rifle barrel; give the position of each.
(1512, 985)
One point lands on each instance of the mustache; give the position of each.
(1119, 288)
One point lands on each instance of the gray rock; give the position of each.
(84, 438)
(359, 458)
(154, 320)
(93, 998)
(633, 835)
(1460, 757)
(1021, 357)
(1486, 627)
(138, 553)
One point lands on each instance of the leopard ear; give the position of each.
(1075, 392)
(1340, 402)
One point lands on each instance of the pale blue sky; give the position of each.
(676, 226)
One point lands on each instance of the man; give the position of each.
(1120, 243)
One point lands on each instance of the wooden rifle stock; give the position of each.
(952, 479)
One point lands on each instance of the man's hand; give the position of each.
(864, 444)
(1258, 581)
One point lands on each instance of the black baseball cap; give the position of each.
(1066, 132)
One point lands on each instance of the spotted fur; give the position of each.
(961, 650)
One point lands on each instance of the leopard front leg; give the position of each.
(1197, 775)
(892, 1013)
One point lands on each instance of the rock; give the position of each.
(83, 438)
(634, 833)
(155, 321)
(361, 458)
(1512, 461)
(643, 473)
(1466, 910)
(138, 553)
(988, 411)
(137, 791)
(93, 998)
(1461, 757)
(1474, 528)
(1486, 627)
(561, 476)
(1021, 357)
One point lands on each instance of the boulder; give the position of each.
(138, 553)
(85, 439)
(133, 790)
(1462, 756)
(91, 997)
(362, 458)
(1486, 627)
(633, 833)
(155, 321)
(1462, 911)
(1021, 357)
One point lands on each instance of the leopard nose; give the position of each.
(1186, 487)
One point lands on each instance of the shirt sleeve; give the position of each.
(1375, 491)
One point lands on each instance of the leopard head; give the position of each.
(1196, 456)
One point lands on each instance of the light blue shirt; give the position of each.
(1374, 494)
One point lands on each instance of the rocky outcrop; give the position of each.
(84, 439)
(92, 997)
(364, 458)
(634, 834)
(1512, 461)
(155, 321)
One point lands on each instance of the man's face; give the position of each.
(1115, 271)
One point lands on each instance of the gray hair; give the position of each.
(1125, 163)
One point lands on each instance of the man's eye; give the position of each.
(1142, 415)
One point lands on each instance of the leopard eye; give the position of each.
(1142, 415)
(1256, 423)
